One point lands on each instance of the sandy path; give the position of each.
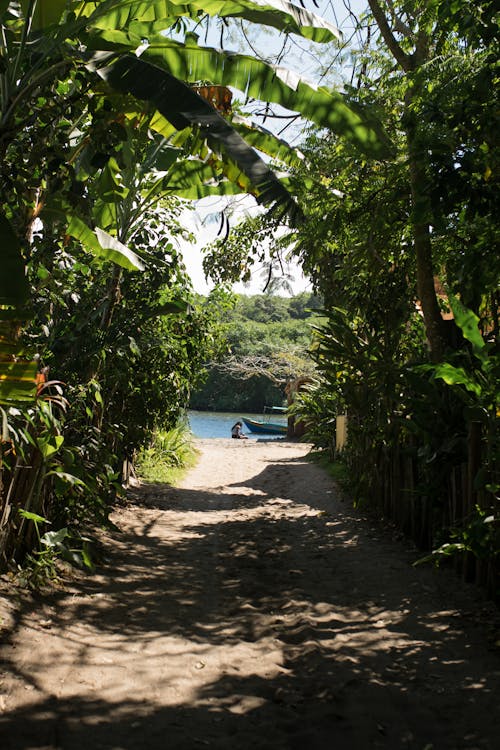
(250, 608)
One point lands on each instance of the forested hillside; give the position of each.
(268, 339)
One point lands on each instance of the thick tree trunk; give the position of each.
(435, 326)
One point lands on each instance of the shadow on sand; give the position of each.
(375, 654)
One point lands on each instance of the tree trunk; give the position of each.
(435, 326)
(409, 63)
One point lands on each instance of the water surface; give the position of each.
(217, 424)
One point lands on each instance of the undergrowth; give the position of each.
(168, 457)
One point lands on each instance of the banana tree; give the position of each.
(37, 46)
(145, 172)
(123, 25)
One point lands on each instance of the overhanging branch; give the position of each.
(404, 60)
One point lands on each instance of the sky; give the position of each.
(298, 57)
(194, 220)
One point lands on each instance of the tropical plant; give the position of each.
(55, 54)
(167, 456)
(404, 248)
(112, 35)
(41, 567)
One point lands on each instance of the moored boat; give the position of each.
(265, 428)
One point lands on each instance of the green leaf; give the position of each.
(48, 448)
(456, 376)
(110, 184)
(86, 556)
(183, 107)
(467, 321)
(256, 79)
(133, 346)
(166, 157)
(444, 551)
(173, 307)
(194, 179)
(105, 214)
(17, 381)
(14, 287)
(32, 516)
(47, 12)
(5, 435)
(66, 477)
(156, 15)
(54, 538)
(161, 125)
(104, 245)
(267, 142)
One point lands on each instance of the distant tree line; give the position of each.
(268, 338)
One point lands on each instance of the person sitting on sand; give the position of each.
(236, 431)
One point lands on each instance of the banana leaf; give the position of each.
(193, 179)
(103, 245)
(468, 322)
(18, 375)
(256, 79)
(14, 287)
(44, 12)
(268, 143)
(183, 107)
(154, 16)
(236, 181)
(17, 381)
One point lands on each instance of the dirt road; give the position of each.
(250, 608)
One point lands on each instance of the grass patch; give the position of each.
(169, 456)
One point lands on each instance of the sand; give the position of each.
(250, 608)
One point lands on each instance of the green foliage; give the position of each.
(317, 406)
(326, 108)
(168, 455)
(479, 536)
(87, 196)
(473, 376)
(100, 167)
(49, 61)
(14, 288)
(41, 566)
(267, 343)
(283, 16)
(150, 354)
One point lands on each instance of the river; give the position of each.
(217, 424)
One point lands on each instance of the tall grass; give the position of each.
(169, 455)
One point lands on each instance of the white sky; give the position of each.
(206, 232)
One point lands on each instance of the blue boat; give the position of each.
(265, 428)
